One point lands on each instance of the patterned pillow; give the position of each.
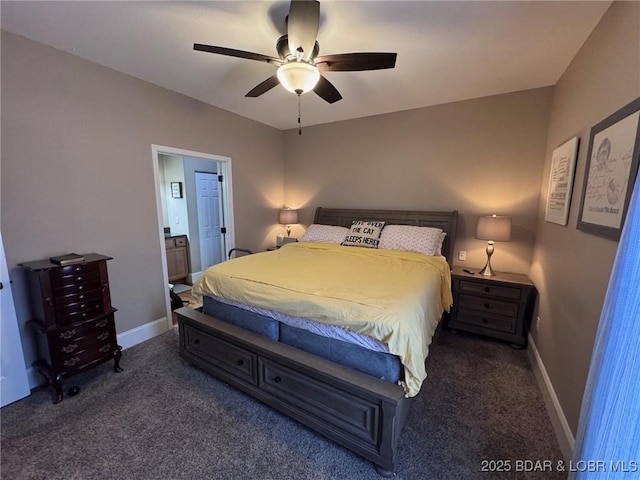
(324, 234)
(364, 234)
(439, 245)
(407, 238)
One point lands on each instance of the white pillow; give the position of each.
(440, 242)
(325, 234)
(407, 238)
(364, 234)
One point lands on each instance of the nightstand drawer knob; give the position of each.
(196, 341)
(484, 320)
(487, 289)
(240, 362)
(487, 305)
(277, 379)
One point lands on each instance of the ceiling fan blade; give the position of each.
(325, 90)
(354, 62)
(231, 52)
(302, 28)
(263, 87)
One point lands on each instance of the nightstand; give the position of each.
(498, 306)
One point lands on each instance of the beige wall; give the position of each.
(571, 268)
(479, 156)
(77, 172)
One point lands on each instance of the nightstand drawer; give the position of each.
(488, 305)
(485, 289)
(493, 322)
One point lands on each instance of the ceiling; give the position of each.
(447, 50)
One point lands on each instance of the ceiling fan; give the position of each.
(299, 65)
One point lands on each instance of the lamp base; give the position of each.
(487, 271)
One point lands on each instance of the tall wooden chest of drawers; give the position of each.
(73, 318)
(499, 306)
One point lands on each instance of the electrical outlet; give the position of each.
(462, 255)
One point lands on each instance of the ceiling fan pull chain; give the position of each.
(299, 115)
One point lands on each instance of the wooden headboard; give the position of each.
(344, 217)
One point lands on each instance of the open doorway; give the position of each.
(195, 213)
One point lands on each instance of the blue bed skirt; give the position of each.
(384, 366)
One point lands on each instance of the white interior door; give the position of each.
(209, 219)
(14, 383)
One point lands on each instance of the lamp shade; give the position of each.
(287, 216)
(495, 228)
(298, 77)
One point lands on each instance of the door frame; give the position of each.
(226, 193)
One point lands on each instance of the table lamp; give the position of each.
(287, 216)
(494, 228)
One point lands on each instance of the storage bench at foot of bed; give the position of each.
(355, 410)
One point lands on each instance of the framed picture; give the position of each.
(612, 166)
(176, 189)
(563, 166)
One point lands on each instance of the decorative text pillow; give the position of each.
(364, 234)
(325, 234)
(425, 240)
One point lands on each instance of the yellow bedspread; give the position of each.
(394, 297)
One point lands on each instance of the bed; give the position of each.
(339, 358)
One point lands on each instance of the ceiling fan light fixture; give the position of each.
(298, 77)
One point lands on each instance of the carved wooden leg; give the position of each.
(50, 379)
(384, 472)
(57, 385)
(117, 355)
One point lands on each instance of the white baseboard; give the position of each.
(194, 276)
(126, 340)
(142, 333)
(561, 427)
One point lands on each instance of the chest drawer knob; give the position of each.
(487, 289)
(277, 379)
(103, 336)
(79, 279)
(71, 362)
(67, 335)
(240, 362)
(197, 341)
(102, 323)
(484, 320)
(104, 348)
(487, 305)
(69, 348)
